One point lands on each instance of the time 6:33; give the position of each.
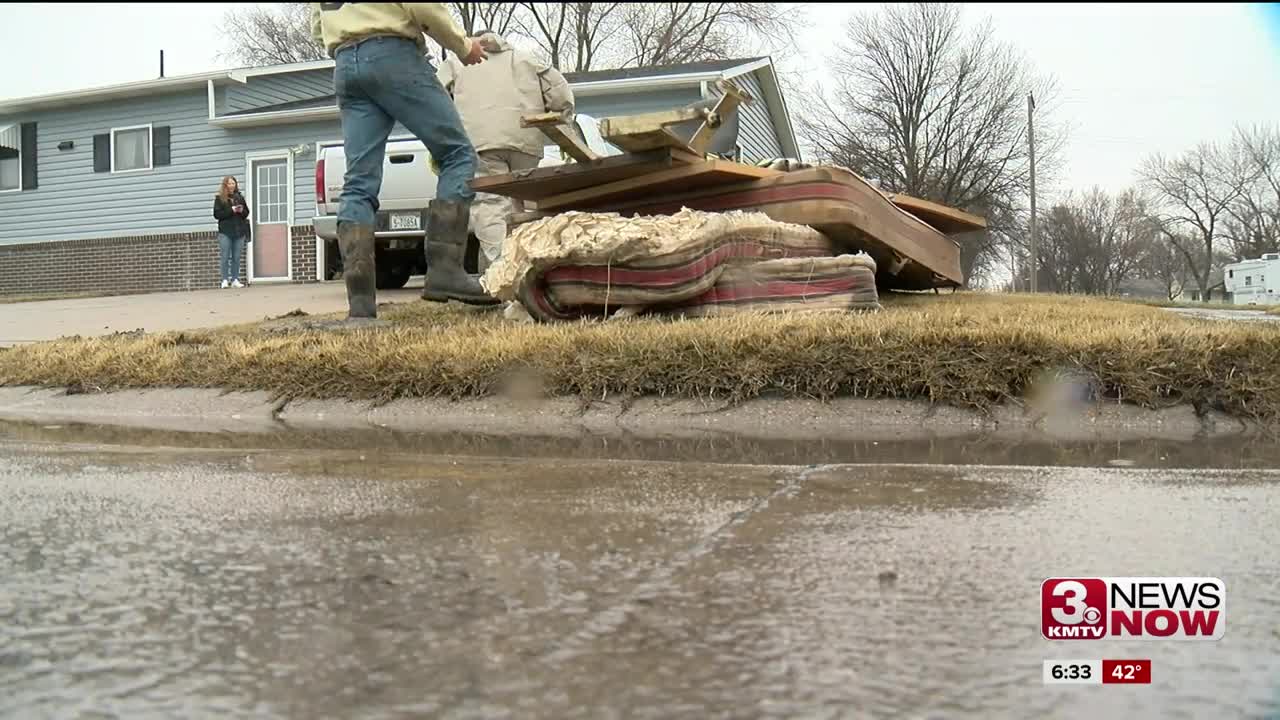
(1071, 672)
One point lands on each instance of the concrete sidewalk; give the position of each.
(27, 322)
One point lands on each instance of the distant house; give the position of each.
(111, 188)
(1142, 288)
(1254, 282)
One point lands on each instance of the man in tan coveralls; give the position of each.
(491, 97)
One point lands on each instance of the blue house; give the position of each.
(111, 189)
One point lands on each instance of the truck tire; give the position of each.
(392, 275)
(332, 260)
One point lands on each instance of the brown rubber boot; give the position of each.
(446, 246)
(356, 244)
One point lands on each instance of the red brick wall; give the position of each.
(303, 238)
(148, 263)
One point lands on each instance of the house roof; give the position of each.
(653, 71)
(585, 83)
(112, 92)
(324, 101)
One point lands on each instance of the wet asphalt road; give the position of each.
(161, 582)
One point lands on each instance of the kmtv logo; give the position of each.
(1148, 608)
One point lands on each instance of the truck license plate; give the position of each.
(406, 221)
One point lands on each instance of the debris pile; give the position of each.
(671, 225)
(691, 263)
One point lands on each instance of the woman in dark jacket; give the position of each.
(232, 213)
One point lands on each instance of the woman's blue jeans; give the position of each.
(382, 80)
(230, 249)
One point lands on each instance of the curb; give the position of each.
(209, 410)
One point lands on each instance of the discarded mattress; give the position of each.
(691, 263)
(845, 282)
(857, 216)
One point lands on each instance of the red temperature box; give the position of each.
(1126, 672)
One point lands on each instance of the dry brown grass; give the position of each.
(969, 350)
(1273, 310)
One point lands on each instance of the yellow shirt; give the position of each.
(336, 24)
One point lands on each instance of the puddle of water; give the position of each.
(976, 449)
(392, 583)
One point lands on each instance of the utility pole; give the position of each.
(1013, 267)
(1031, 143)
(162, 63)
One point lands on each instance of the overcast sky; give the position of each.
(1135, 79)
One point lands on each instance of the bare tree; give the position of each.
(1161, 261)
(926, 108)
(277, 35)
(1092, 243)
(1192, 195)
(572, 37)
(499, 17)
(281, 33)
(1253, 224)
(672, 32)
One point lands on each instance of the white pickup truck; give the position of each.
(408, 185)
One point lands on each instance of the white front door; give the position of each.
(271, 199)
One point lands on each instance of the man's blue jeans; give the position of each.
(382, 80)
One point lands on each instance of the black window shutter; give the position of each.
(29, 179)
(160, 145)
(102, 153)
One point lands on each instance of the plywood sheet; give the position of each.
(948, 220)
(539, 183)
(683, 178)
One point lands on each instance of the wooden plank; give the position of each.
(949, 220)
(648, 122)
(726, 106)
(519, 218)
(538, 183)
(650, 140)
(540, 119)
(554, 127)
(683, 177)
(650, 131)
(568, 142)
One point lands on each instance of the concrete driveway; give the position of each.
(159, 312)
(1245, 314)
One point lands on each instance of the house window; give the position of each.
(1248, 280)
(10, 159)
(10, 169)
(1231, 273)
(131, 148)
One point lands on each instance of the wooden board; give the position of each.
(553, 126)
(948, 220)
(708, 173)
(649, 131)
(538, 183)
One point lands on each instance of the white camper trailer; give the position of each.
(1254, 282)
